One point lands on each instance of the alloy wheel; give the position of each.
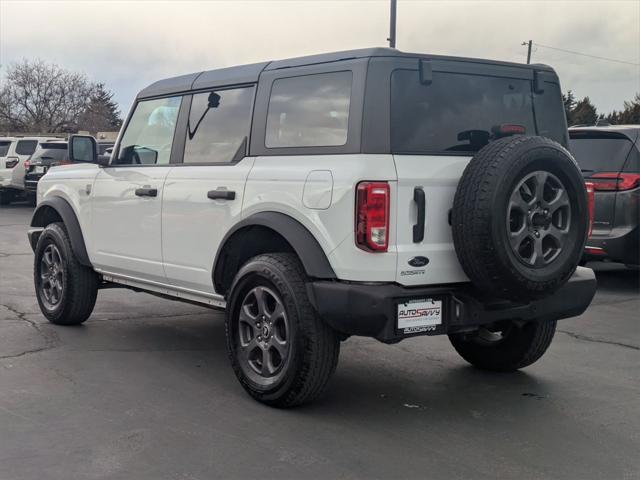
(538, 219)
(263, 335)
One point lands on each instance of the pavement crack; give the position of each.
(49, 340)
(5, 255)
(585, 338)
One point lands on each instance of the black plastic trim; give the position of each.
(65, 211)
(304, 244)
(370, 309)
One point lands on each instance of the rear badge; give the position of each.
(419, 261)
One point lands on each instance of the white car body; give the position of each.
(170, 241)
(178, 233)
(13, 178)
(329, 196)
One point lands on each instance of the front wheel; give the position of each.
(505, 347)
(281, 351)
(65, 289)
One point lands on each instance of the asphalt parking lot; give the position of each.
(143, 390)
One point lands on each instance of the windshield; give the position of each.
(599, 152)
(4, 148)
(461, 113)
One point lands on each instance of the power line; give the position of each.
(587, 55)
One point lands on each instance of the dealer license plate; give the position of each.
(420, 315)
(39, 170)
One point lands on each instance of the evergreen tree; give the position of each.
(584, 113)
(102, 113)
(569, 101)
(631, 112)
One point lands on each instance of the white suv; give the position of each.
(14, 151)
(369, 192)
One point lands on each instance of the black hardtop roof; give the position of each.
(250, 73)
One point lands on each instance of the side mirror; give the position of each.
(83, 148)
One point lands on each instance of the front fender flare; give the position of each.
(41, 218)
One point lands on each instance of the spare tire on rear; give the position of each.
(520, 218)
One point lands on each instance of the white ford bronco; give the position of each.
(369, 192)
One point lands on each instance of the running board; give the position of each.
(185, 294)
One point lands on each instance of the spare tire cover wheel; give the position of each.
(520, 217)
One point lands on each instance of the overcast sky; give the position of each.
(129, 44)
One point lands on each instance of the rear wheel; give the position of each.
(282, 353)
(505, 347)
(65, 289)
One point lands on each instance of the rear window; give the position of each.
(309, 111)
(4, 148)
(460, 113)
(26, 147)
(51, 154)
(600, 152)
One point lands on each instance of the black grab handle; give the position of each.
(147, 192)
(221, 194)
(418, 228)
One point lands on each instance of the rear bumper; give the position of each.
(31, 182)
(371, 309)
(623, 248)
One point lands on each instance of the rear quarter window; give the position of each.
(4, 148)
(26, 147)
(309, 111)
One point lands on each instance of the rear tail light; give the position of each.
(11, 162)
(26, 164)
(615, 182)
(591, 196)
(372, 216)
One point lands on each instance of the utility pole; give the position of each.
(392, 24)
(529, 44)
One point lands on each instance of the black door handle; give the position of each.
(418, 228)
(221, 194)
(147, 192)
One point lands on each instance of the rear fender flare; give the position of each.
(304, 244)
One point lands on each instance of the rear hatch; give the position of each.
(601, 155)
(436, 127)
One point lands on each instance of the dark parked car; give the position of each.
(609, 158)
(46, 156)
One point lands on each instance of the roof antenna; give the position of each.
(392, 24)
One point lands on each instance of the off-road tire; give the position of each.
(523, 346)
(480, 209)
(79, 283)
(314, 347)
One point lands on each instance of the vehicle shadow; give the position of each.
(362, 388)
(616, 278)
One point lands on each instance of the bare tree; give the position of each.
(42, 97)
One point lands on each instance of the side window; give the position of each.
(4, 148)
(26, 147)
(219, 125)
(309, 111)
(149, 134)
